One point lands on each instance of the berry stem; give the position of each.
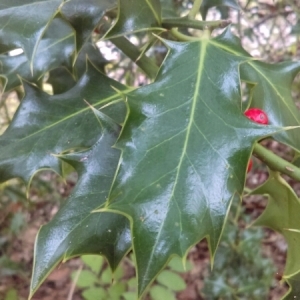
(275, 162)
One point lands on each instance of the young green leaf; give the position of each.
(94, 262)
(171, 280)
(95, 293)
(86, 279)
(158, 292)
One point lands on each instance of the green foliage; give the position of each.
(160, 165)
(281, 215)
(11, 294)
(97, 282)
(240, 271)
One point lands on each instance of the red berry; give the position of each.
(249, 166)
(257, 115)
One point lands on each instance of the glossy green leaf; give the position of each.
(62, 79)
(135, 16)
(294, 284)
(185, 144)
(207, 4)
(282, 215)
(54, 49)
(168, 9)
(94, 55)
(271, 89)
(171, 280)
(272, 93)
(75, 230)
(23, 23)
(84, 16)
(45, 125)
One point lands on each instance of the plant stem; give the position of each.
(275, 162)
(182, 37)
(195, 9)
(186, 23)
(130, 50)
(144, 62)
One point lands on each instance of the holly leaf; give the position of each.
(45, 125)
(136, 16)
(62, 79)
(84, 16)
(207, 4)
(185, 148)
(282, 215)
(94, 55)
(272, 93)
(75, 230)
(54, 49)
(168, 9)
(23, 23)
(271, 89)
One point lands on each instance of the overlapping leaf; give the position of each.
(62, 79)
(168, 9)
(272, 89)
(84, 16)
(23, 22)
(54, 49)
(282, 215)
(135, 16)
(75, 230)
(185, 147)
(46, 125)
(272, 93)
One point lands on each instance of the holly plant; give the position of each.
(159, 163)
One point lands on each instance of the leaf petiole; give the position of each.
(275, 162)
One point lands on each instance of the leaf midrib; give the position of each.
(76, 113)
(153, 11)
(262, 74)
(203, 46)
